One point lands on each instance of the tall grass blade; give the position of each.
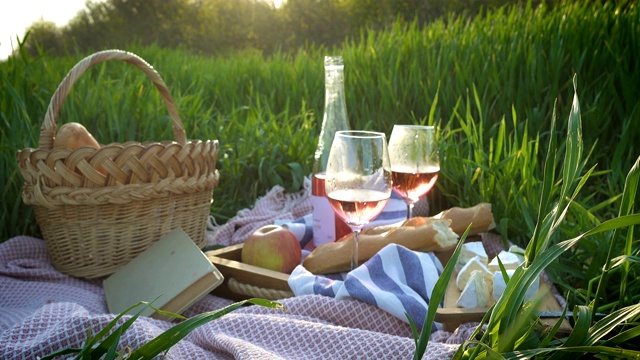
(92, 348)
(507, 307)
(603, 352)
(583, 318)
(626, 207)
(112, 351)
(554, 330)
(574, 146)
(624, 337)
(606, 325)
(548, 181)
(176, 333)
(437, 295)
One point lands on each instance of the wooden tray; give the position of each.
(227, 260)
(451, 316)
(254, 281)
(257, 281)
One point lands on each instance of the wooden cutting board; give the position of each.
(451, 316)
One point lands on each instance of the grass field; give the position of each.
(491, 85)
(470, 77)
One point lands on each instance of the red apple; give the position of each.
(272, 247)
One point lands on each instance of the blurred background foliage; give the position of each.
(246, 72)
(218, 27)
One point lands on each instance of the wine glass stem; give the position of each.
(354, 251)
(409, 211)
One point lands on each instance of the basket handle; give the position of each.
(50, 125)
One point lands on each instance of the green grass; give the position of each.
(105, 344)
(493, 85)
(478, 78)
(512, 329)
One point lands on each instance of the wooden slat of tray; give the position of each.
(227, 260)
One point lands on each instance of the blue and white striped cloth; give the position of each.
(396, 279)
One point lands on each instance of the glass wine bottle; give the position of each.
(327, 226)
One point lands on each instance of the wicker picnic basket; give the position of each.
(98, 209)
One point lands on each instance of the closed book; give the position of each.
(172, 274)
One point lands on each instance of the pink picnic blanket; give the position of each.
(43, 311)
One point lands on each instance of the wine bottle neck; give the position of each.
(335, 114)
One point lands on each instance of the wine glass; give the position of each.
(358, 179)
(415, 163)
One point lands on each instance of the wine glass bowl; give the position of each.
(415, 163)
(358, 179)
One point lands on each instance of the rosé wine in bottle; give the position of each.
(327, 225)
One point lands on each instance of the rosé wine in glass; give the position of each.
(358, 179)
(358, 207)
(415, 163)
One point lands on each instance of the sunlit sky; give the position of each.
(17, 16)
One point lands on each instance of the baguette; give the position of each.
(383, 229)
(437, 233)
(431, 235)
(479, 216)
